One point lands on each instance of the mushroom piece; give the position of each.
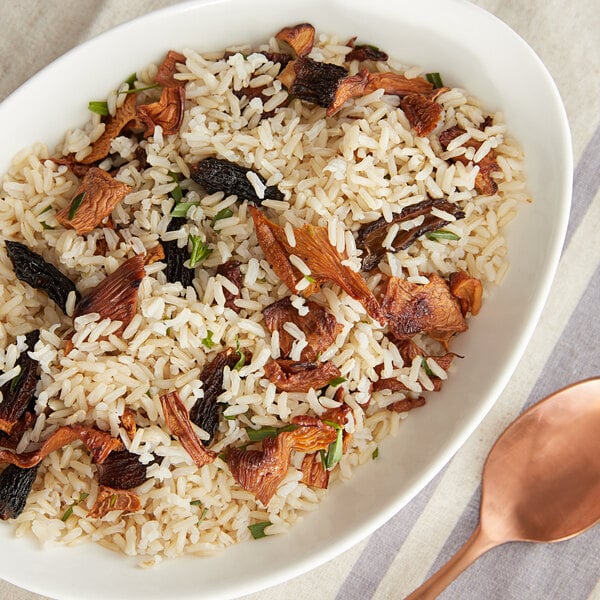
(371, 236)
(114, 499)
(167, 112)
(115, 297)
(168, 68)
(318, 325)
(299, 37)
(231, 271)
(93, 201)
(15, 485)
(412, 308)
(422, 113)
(122, 470)
(179, 424)
(298, 376)
(468, 290)
(18, 393)
(261, 471)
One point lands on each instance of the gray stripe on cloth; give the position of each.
(586, 181)
(382, 547)
(576, 560)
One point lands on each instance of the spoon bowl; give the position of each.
(541, 480)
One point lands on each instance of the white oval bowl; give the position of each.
(471, 49)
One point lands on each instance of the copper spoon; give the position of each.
(541, 480)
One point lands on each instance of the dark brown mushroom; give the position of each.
(231, 271)
(122, 470)
(298, 376)
(15, 486)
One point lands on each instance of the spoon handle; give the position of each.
(473, 548)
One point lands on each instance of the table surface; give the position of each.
(422, 536)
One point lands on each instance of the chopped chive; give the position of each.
(258, 529)
(75, 204)
(442, 234)
(176, 192)
(14, 382)
(113, 500)
(142, 89)
(337, 381)
(83, 496)
(257, 435)
(67, 514)
(426, 368)
(49, 207)
(131, 80)
(69, 511)
(99, 107)
(223, 455)
(334, 452)
(242, 360)
(323, 460)
(202, 516)
(435, 80)
(148, 394)
(375, 453)
(196, 502)
(45, 226)
(181, 209)
(224, 213)
(199, 251)
(310, 279)
(208, 341)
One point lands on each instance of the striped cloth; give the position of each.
(421, 537)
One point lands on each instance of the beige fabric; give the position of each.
(564, 346)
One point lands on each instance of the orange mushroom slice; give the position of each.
(468, 290)
(300, 38)
(167, 112)
(93, 201)
(109, 499)
(166, 72)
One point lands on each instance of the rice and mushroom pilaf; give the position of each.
(139, 380)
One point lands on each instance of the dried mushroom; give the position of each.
(468, 290)
(412, 308)
(318, 325)
(176, 256)
(422, 113)
(32, 269)
(407, 404)
(261, 471)
(18, 394)
(363, 52)
(124, 115)
(179, 424)
(484, 182)
(371, 236)
(93, 201)
(397, 85)
(299, 37)
(315, 250)
(122, 470)
(127, 420)
(313, 471)
(205, 412)
(15, 485)
(298, 376)
(115, 297)
(168, 68)
(231, 271)
(99, 443)
(166, 113)
(114, 499)
(220, 175)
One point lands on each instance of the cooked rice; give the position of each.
(337, 172)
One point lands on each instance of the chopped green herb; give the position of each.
(257, 435)
(67, 514)
(196, 502)
(49, 207)
(223, 455)
(83, 496)
(181, 209)
(131, 80)
(258, 529)
(310, 279)
(99, 107)
(142, 89)
(334, 452)
(45, 226)
(375, 453)
(435, 80)
(208, 341)
(230, 417)
(148, 394)
(224, 213)
(242, 360)
(113, 500)
(442, 234)
(69, 511)
(202, 516)
(176, 192)
(14, 382)
(323, 461)
(199, 251)
(337, 381)
(75, 204)
(426, 368)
